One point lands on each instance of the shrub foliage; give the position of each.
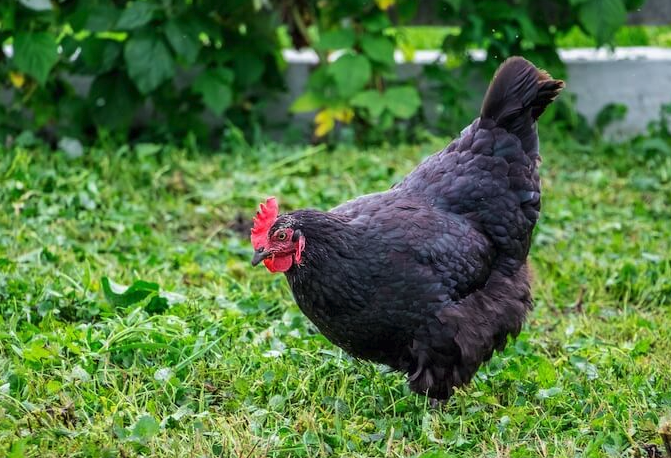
(173, 69)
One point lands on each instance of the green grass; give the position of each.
(236, 370)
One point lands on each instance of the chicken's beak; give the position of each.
(260, 255)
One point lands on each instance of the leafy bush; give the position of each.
(176, 58)
(356, 79)
(173, 69)
(530, 28)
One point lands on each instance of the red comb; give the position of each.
(263, 220)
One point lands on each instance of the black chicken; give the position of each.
(429, 277)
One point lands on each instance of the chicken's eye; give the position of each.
(281, 236)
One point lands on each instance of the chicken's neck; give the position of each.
(329, 240)
(330, 282)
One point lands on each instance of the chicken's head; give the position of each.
(275, 242)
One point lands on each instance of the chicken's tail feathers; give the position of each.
(519, 91)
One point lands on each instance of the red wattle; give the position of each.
(279, 263)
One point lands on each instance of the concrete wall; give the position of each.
(639, 78)
(653, 12)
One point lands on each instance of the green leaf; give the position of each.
(319, 79)
(376, 22)
(183, 37)
(538, 36)
(248, 69)
(402, 101)
(371, 100)
(406, 11)
(37, 5)
(147, 149)
(123, 296)
(657, 145)
(309, 101)
(546, 373)
(214, 84)
(100, 55)
(8, 16)
(455, 4)
(351, 73)
(69, 48)
(99, 18)
(35, 53)
(494, 11)
(113, 100)
(601, 18)
(149, 61)
(609, 114)
(548, 393)
(585, 367)
(335, 39)
(144, 429)
(35, 352)
(136, 15)
(634, 4)
(18, 449)
(379, 49)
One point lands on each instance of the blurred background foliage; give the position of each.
(170, 70)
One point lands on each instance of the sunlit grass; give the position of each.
(236, 370)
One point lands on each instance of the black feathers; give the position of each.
(518, 86)
(430, 277)
(518, 95)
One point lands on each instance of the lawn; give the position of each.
(228, 366)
